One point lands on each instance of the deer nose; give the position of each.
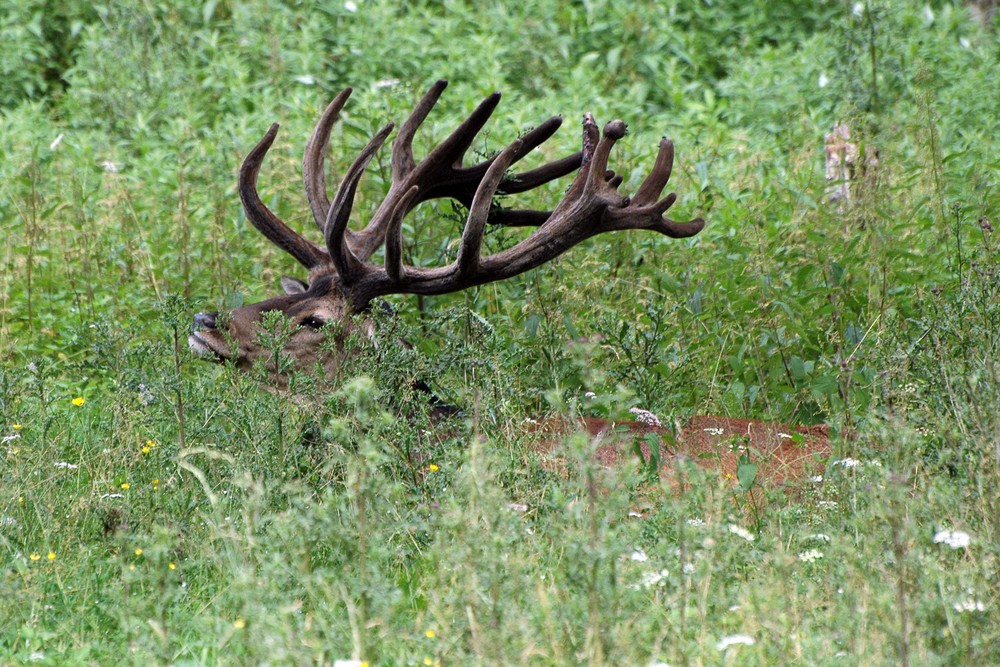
(204, 321)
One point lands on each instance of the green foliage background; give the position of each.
(122, 126)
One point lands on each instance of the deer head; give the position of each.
(343, 280)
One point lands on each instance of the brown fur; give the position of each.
(783, 462)
(305, 346)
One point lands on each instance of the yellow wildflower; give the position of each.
(430, 634)
(79, 401)
(239, 624)
(145, 450)
(151, 444)
(138, 552)
(35, 556)
(16, 427)
(433, 467)
(52, 555)
(171, 566)
(125, 486)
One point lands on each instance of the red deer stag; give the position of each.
(343, 281)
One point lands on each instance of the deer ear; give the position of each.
(293, 285)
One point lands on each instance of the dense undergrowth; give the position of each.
(156, 508)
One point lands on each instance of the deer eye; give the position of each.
(312, 322)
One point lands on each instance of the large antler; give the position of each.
(591, 206)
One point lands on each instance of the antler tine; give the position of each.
(312, 161)
(277, 232)
(658, 177)
(467, 262)
(394, 235)
(598, 168)
(339, 214)
(402, 148)
(451, 150)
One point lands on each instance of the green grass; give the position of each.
(183, 514)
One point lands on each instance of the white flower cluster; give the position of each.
(810, 556)
(956, 539)
(645, 417)
(970, 605)
(741, 532)
(735, 640)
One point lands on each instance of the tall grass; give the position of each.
(158, 509)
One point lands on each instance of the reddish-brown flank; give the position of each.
(785, 455)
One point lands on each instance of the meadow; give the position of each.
(158, 509)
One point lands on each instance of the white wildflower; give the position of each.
(687, 568)
(810, 556)
(8, 521)
(632, 514)
(517, 507)
(956, 539)
(847, 463)
(928, 15)
(645, 417)
(660, 664)
(817, 537)
(8, 438)
(816, 479)
(112, 495)
(650, 579)
(741, 532)
(639, 556)
(305, 80)
(64, 464)
(36, 656)
(858, 9)
(590, 395)
(347, 663)
(350, 6)
(823, 80)
(827, 504)
(734, 640)
(696, 522)
(55, 142)
(110, 167)
(964, 42)
(969, 605)
(714, 431)
(386, 83)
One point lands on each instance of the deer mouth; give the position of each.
(201, 346)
